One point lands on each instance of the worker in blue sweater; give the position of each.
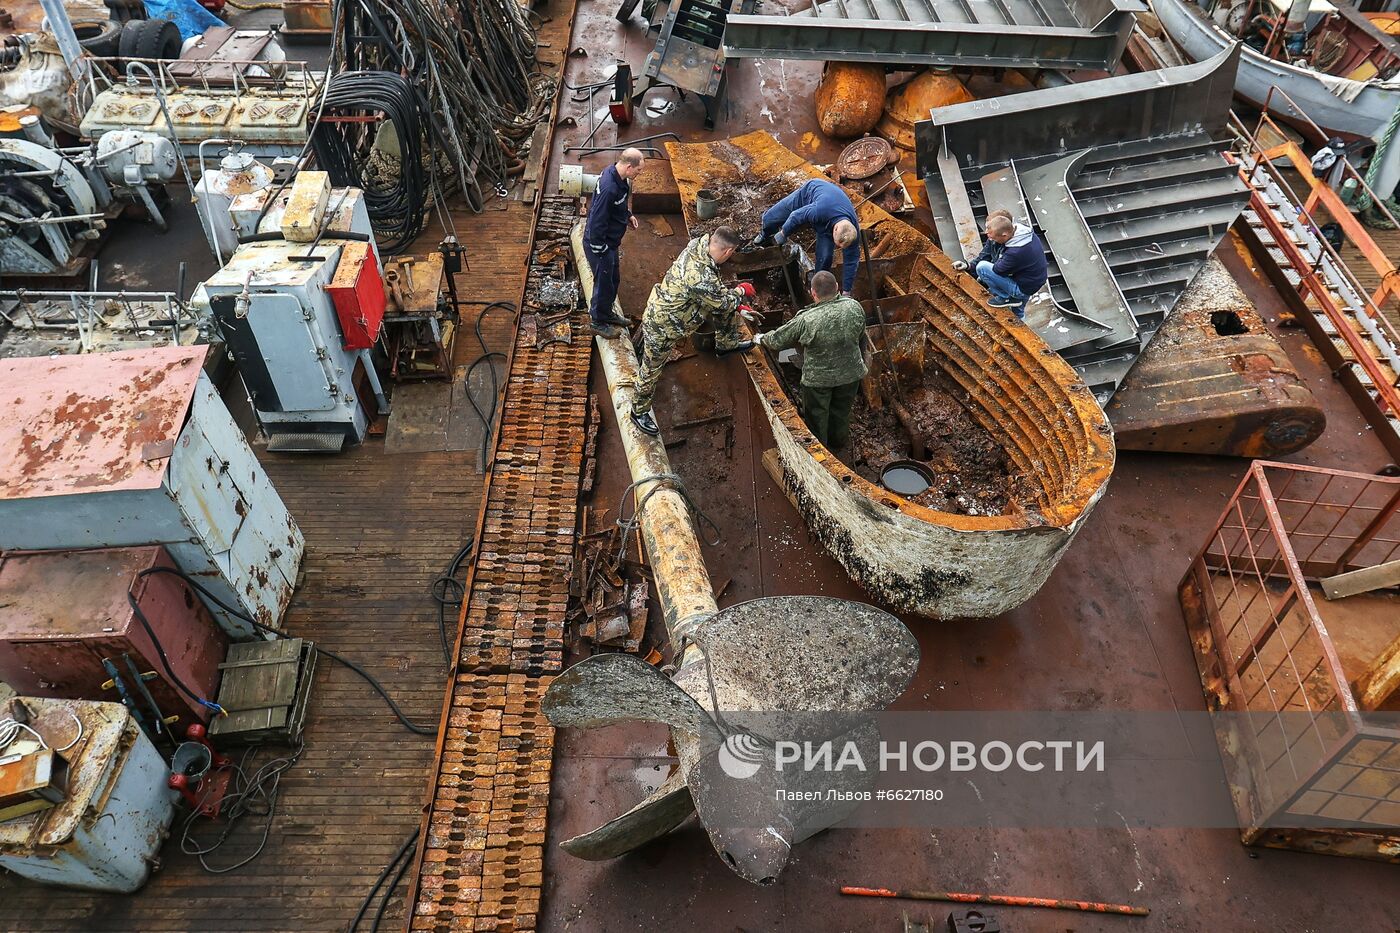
(609, 216)
(826, 208)
(1012, 263)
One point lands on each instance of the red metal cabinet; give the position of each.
(358, 294)
(62, 612)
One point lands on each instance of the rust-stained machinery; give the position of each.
(136, 449)
(689, 54)
(300, 307)
(746, 676)
(55, 202)
(105, 785)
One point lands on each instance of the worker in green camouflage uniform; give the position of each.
(830, 333)
(690, 292)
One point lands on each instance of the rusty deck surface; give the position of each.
(1105, 633)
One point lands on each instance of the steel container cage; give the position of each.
(1304, 752)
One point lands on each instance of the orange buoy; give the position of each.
(912, 102)
(850, 98)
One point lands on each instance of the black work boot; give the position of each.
(646, 423)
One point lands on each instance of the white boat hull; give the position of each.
(908, 563)
(1366, 116)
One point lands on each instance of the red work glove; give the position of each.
(746, 289)
(749, 314)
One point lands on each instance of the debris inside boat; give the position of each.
(964, 469)
(517, 467)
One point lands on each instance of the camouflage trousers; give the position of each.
(655, 351)
(661, 335)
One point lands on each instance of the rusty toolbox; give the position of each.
(116, 809)
(31, 779)
(134, 449)
(63, 612)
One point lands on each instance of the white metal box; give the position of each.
(280, 323)
(136, 448)
(118, 807)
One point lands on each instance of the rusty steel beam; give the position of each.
(1005, 34)
(1181, 101)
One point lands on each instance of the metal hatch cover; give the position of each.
(84, 424)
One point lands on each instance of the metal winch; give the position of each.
(53, 201)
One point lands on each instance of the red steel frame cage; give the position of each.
(1301, 749)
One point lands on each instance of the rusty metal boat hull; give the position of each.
(1215, 381)
(916, 559)
(944, 565)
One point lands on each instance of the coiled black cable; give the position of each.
(447, 590)
(473, 64)
(397, 206)
(486, 358)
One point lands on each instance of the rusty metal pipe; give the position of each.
(678, 568)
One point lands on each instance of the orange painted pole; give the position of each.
(1003, 900)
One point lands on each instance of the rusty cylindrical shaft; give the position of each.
(1004, 900)
(678, 569)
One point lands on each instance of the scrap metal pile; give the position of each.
(457, 80)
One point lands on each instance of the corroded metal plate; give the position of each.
(864, 158)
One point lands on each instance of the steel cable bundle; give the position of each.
(395, 195)
(471, 64)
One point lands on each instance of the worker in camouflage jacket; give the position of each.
(689, 293)
(829, 332)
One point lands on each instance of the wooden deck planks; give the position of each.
(379, 528)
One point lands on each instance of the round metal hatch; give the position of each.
(864, 158)
(906, 477)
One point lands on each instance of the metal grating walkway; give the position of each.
(481, 868)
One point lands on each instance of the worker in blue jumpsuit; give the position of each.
(609, 217)
(826, 208)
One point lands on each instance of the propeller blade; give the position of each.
(609, 688)
(755, 812)
(804, 655)
(667, 807)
